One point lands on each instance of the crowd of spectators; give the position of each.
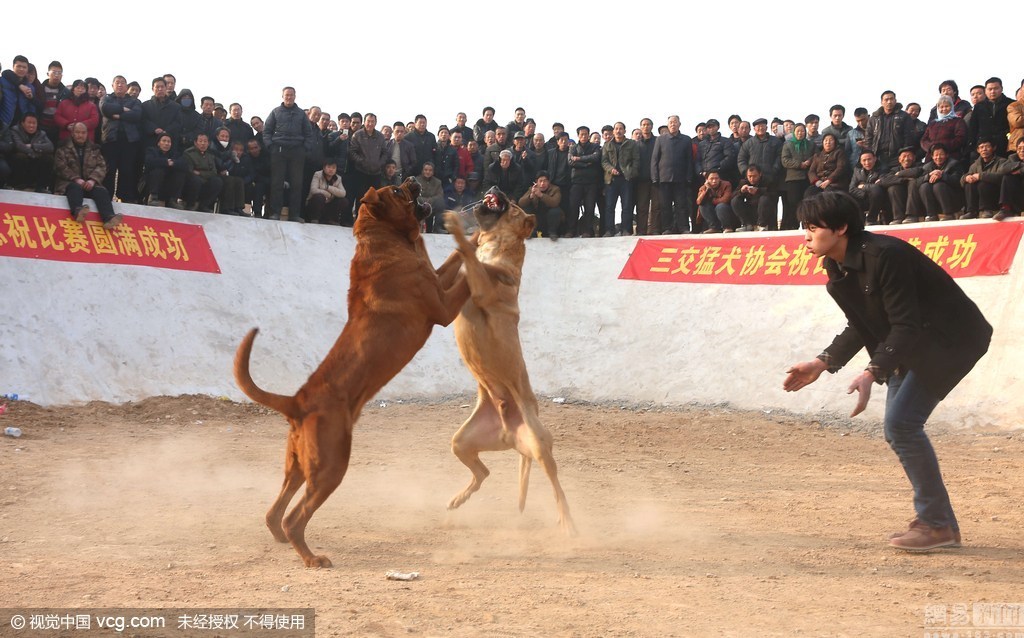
(963, 162)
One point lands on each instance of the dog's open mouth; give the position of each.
(491, 208)
(421, 209)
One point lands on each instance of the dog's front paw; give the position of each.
(453, 224)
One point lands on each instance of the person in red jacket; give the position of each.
(78, 108)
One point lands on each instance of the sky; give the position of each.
(559, 62)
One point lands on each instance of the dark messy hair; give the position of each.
(832, 210)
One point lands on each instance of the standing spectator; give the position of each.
(122, 119)
(484, 124)
(946, 129)
(17, 95)
(840, 129)
(208, 122)
(460, 127)
(857, 143)
(204, 183)
(500, 143)
(647, 211)
(165, 172)
(477, 157)
(811, 123)
(256, 122)
(560, 173)
(714, 152)
(939, 185)
(240, 129)
(464, 164)
(446, 159)
(327, 203)
(713, 199)
(585, 165)
(401, 151)
(287, 134)
(989, 120)
(915, 128)
(536, 157)
(366, 156)
(423, 141)
(160, 115)
(961, 107)
(1015, 118)
(53, 93)
(764, 150)
(30, 155)
(517, 125)
(797, 155)
(620, 159)
(79, 170)
(982, 181)
(190, 119)
(672, 169)
(77, 108)
(867, 190)
(888, 130)
(171, 83)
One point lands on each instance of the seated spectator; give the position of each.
(203, 185)
(982, 181)
(713, 199)
(1011, 188)
(945, 128)
(75, 109)
(30, 155)
(506, 175)
(473, 184)
(543, 200)
(165, 171)
(900, 185)
(829, 169)
(258, 187)
(960, 109)
(326, 203)
(460, 195)
(80, 169)
(797, 155)
(866, 188)
(234, 168)
(431, 193)
(752, 203)
(390, 176)
(939, 186)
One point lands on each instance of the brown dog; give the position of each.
(487, 332)
(395, 297)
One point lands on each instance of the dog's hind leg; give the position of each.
(293, 480)
(481, 432)
(533, 441)
(328, 465)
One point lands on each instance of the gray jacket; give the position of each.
(288, 127)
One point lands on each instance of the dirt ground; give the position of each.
(693, 522)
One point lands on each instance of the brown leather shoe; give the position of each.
(916, 522)
(922, 538)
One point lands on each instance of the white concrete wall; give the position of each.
(72, 333)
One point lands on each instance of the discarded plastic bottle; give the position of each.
(15, 432)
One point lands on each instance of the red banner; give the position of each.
(962, 249)
(35, 232)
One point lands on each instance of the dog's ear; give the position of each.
(371, 196)
(529, 224)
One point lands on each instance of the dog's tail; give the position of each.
(524, 480)
(283, 404)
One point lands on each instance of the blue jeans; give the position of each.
(908, 406)
(620, 189)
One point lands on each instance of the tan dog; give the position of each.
(487, 332)
(395, 297)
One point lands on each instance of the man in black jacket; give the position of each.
(988, 120)
(585, 161)
(923, 334)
